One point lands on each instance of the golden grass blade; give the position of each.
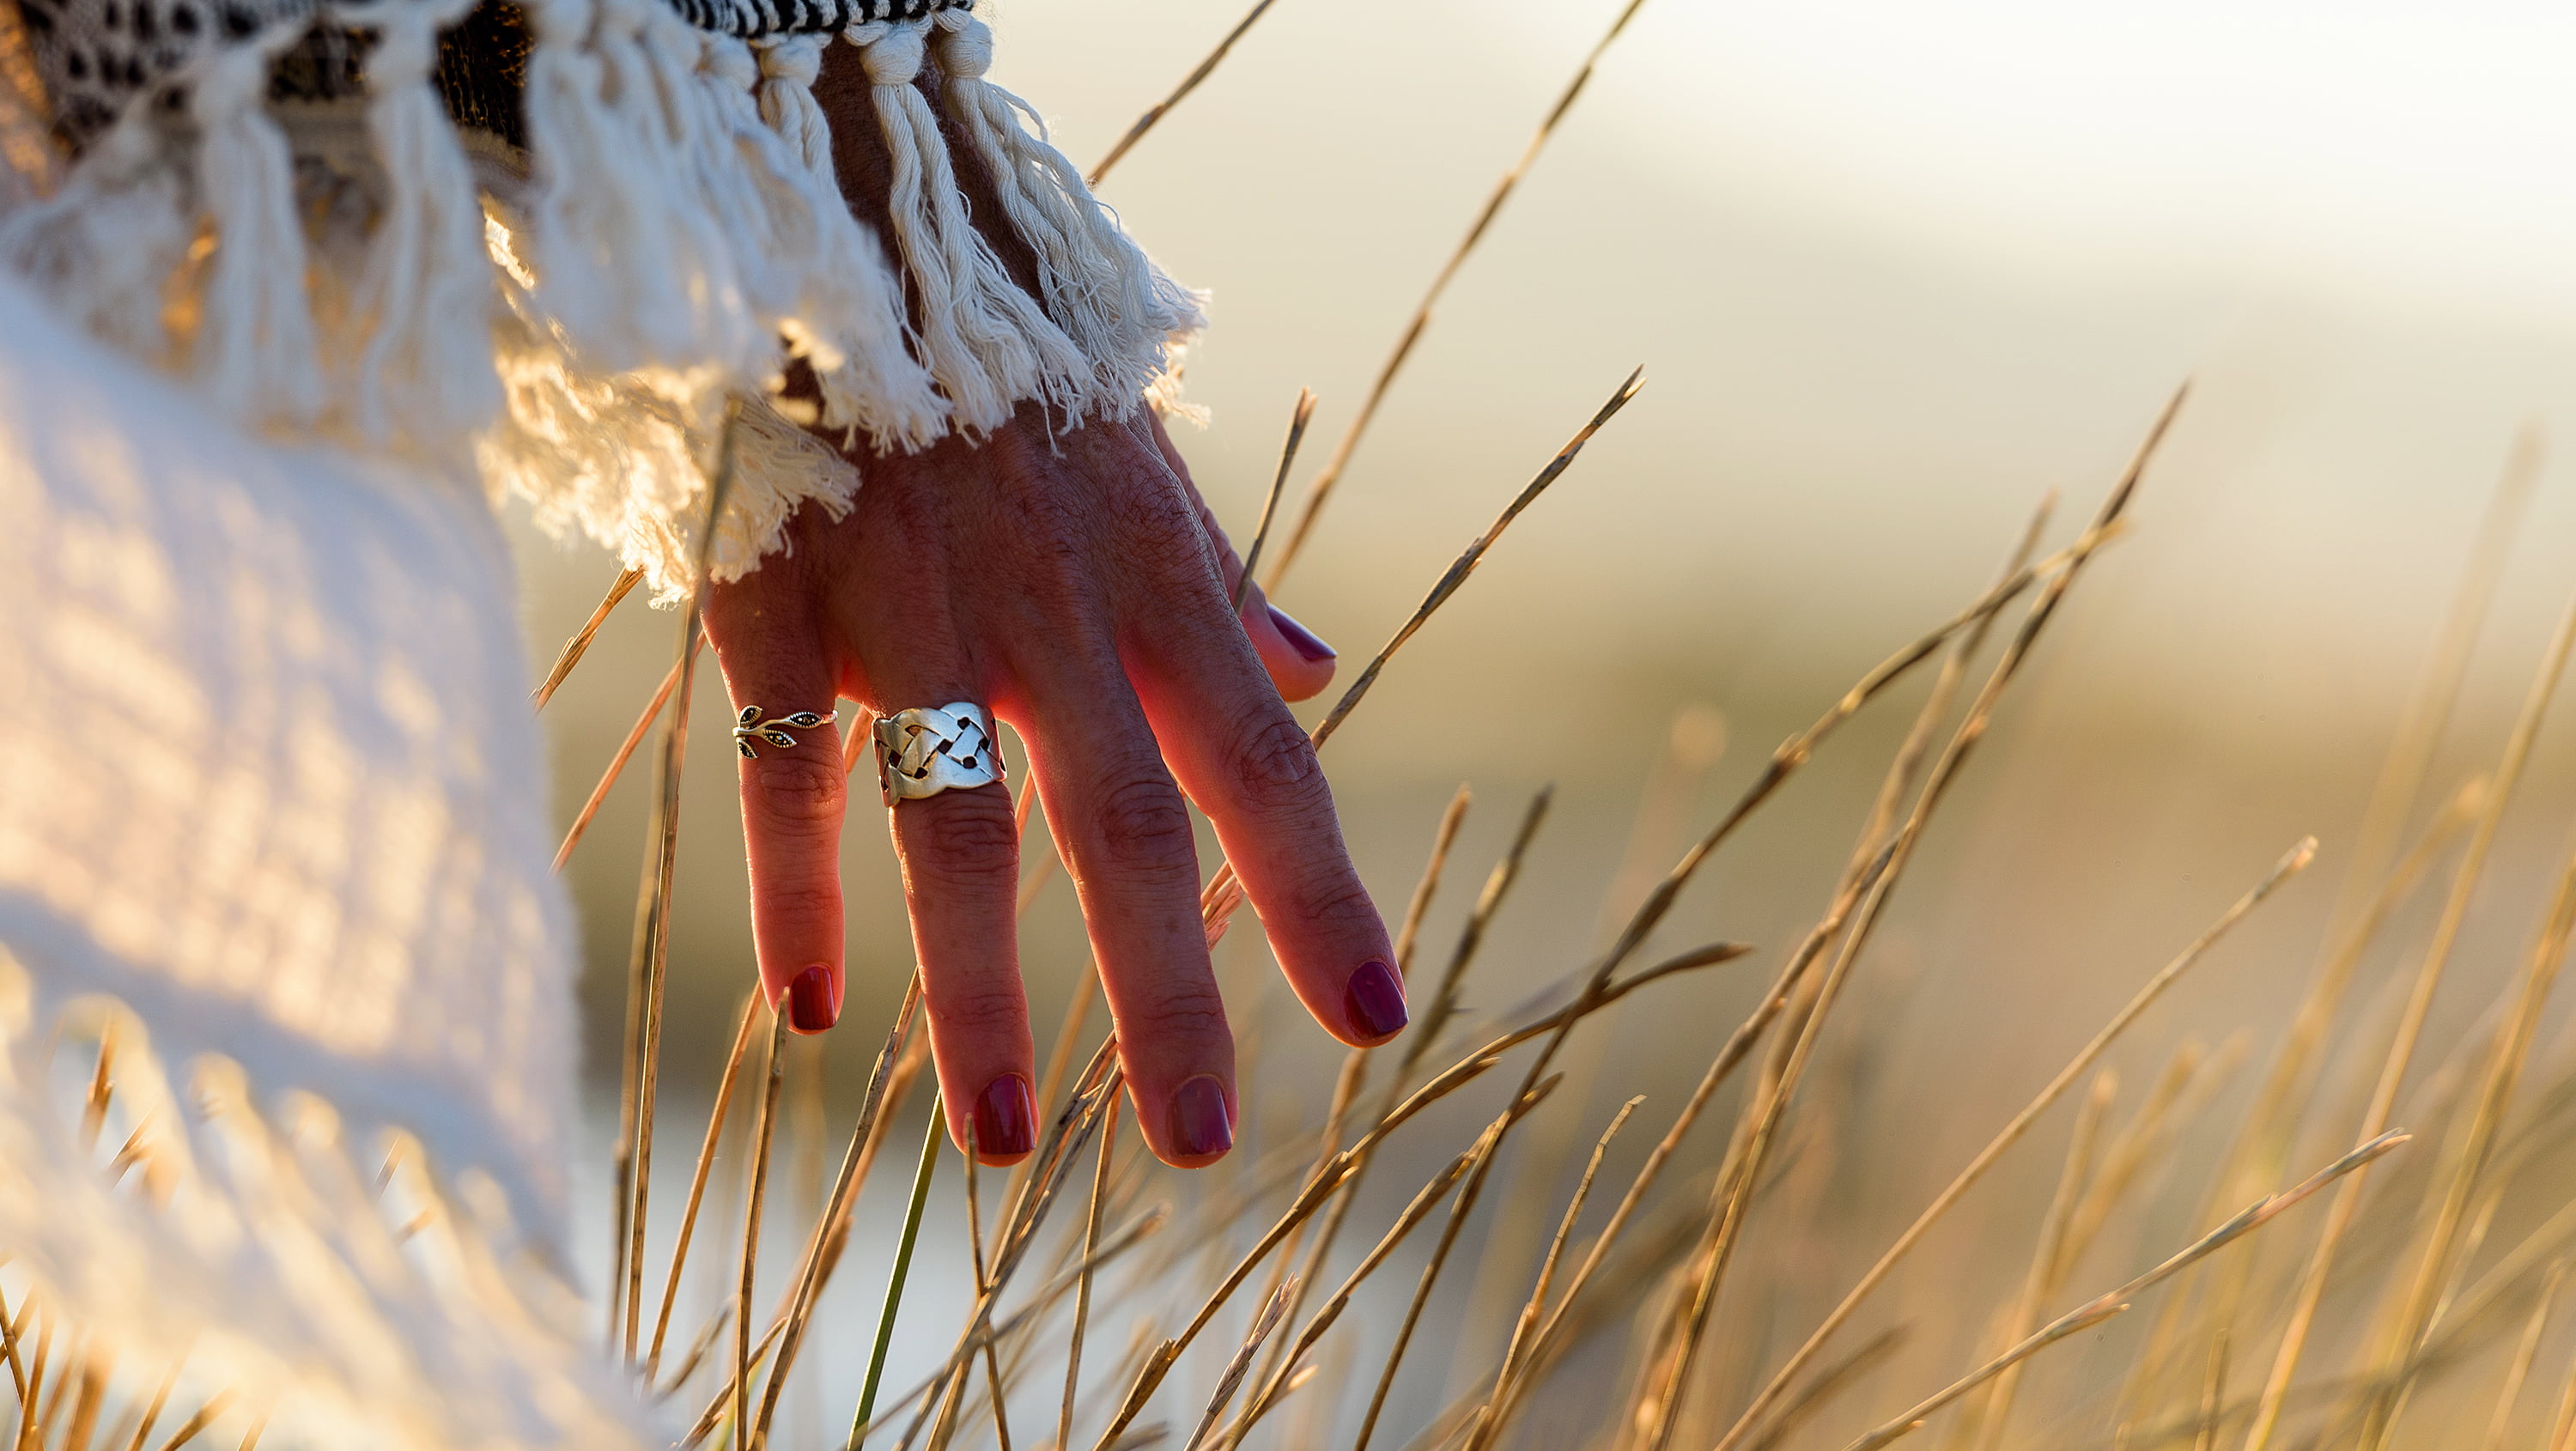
(2290, 864)
(2442, 1252)
(102, 1084)
(1304, 415)
(2093, 1312)
(831, 1229)
(1321, 488)
(2363, 901)
(1793, 1052)
(1480, 1161)
(1347, 1087)
(761, 1125)
(2523, 1355)
(617, 764)
(2213, 1393)
(983, 1287)
(195, 1425)
(648, 965)
(698, 1178)
(1160, 109)
(1028, 1316)
(1522, 1328)
(1276, 1386)
(2410, 1027)
(1829, 1382)
(571, 653)
(1455, 577)
(1241, 1365)
(2562, 1424)
(2048, 1267)
(152, 1409)
(1082, 1288)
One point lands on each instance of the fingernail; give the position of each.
(1006, 1118)
(1201, 1128)
(1374, 1001)
(1300, 639)
(810, 1008)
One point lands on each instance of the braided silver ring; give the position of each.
(924, 752)
(752, 726)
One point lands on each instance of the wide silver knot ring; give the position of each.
(924, 752)
(752, 725)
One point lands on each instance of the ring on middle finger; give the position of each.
(924, 751)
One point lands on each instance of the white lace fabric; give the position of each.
(272, 817)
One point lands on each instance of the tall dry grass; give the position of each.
(1646, 1306)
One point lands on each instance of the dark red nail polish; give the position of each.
(1201, 1128)
(1374, 1002)
(811, 1007)
(1006, 1118)
(1299, 638)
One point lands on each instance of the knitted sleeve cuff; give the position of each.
(680, 235)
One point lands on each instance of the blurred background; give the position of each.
(1895, 273)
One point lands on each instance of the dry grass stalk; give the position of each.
(2443, 1253)
(2213, 1393)
(639, 1078)
(2562, 1422)
(1516, 1352)
(2093, 1312)
(2524, 1352)
(1424, 1201)
(1480, 1164)
(762, 1122)
(1793, 1053)
(571, 653)
(1297, 422)
(716, 1116)
(2050, 1265)
(2401, 1052)
(2369, 888)
(1082, 1288)
(617, 764)
(1322, 486)
(1154, 114)
(1455, 577)
(195, 1425)
(1241, 1365)
(1354, 1077)
(2146, 996)
(822, 1249)
(1829, 1382)
(983, 1286)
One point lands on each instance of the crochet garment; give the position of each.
(559, 237)
(288, 288)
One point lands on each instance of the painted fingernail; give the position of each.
(1201, 1128)
(1300, 639)
(810, 1008)
(1006, 1118)
(1374, 1001)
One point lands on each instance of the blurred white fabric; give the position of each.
(272, 814)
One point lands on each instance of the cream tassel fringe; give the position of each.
(1124, 312)
(105, 246)
(425, 376)
(851, 326)
(255, 343)
(636, 273)
(986, 341)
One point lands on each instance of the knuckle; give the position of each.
(1190, 1012)
(964, 836)
(1276, 770)
(1335, 902)
(1140, 822)
(798, 792)
(802, 905)
(984, 1010)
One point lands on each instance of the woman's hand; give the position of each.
(1078, 589)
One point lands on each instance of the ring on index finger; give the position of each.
(925, 751)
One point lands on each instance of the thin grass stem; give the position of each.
(573, 648)
(893, 1302)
